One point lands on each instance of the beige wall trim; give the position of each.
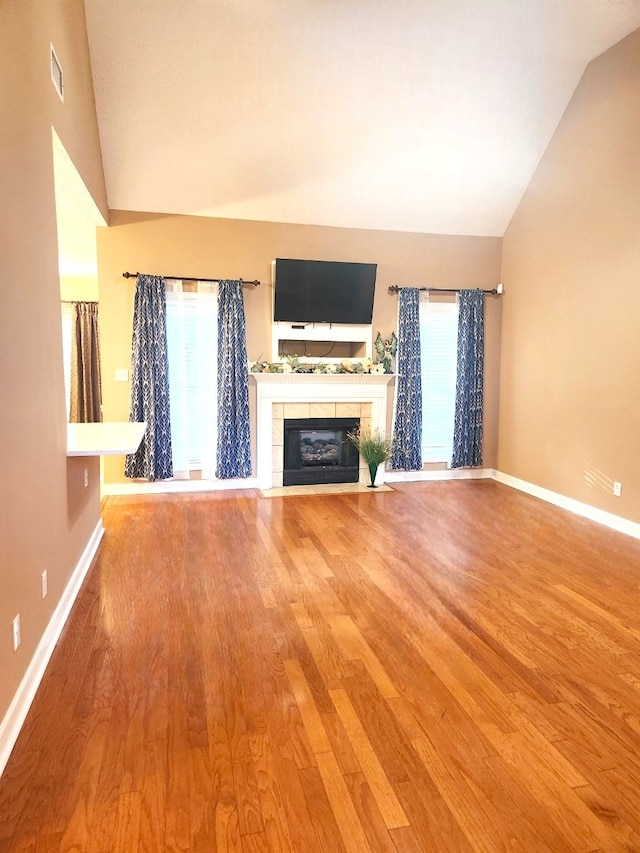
(13, 720)
(445, 474)
(161, 487)
(615, 522)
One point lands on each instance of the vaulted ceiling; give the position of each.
(414, 115)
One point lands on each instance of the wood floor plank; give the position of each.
(283, 721)
(128, 826)
(320, 811)
(17, 785)
(380, 786)
(371, 819)
(308, 711)
(613, 801)
(227, 837)
(153, 795)
(341, 744)
(353, 836)
(479, 826)
(288, 824)
(432, 824)
(445, 667)
(355, 647)
(268, 597)
(326, 655)
(276, 825)
(392, 747)
(255, 843)
(49, 843)
(202, 800)
(580, 829)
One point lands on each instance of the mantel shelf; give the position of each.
(324, 378)
(104, 439)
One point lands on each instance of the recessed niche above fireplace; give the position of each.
(316, 450)
(321, 342)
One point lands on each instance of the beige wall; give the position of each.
(570, 401)
(79, 289)
(197, 246)
(46, 516)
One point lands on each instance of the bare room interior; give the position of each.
(320, 524)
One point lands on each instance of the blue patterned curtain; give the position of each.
(467, 431)
(407, 430)
(234, 453)
(150, 381)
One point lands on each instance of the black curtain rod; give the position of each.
(190, 278)
(496, 291)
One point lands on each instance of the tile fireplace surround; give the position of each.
(303, 395)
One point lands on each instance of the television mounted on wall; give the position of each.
(324, 292)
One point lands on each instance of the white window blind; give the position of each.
(192, 345)
(438, 339)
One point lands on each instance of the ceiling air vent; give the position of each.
(56, 74)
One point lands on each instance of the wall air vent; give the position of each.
(56, 74)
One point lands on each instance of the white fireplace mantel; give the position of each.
(313, 388)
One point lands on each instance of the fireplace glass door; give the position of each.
(317, 450)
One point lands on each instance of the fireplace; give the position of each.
(284, 396)
(316, 450)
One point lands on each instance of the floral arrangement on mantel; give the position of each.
(294, 364)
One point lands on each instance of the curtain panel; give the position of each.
(407, 430)
(234, 452)
(85, 386)
(150, 382)
(468, 424)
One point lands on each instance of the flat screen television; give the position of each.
(324, 292)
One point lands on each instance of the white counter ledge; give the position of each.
(104, 439)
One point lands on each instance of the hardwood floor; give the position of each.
(442, 667)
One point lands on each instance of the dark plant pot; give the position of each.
(373, 470)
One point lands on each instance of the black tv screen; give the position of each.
(324, 292)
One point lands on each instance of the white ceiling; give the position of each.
(413, 115)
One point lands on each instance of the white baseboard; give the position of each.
(13, 720)
(616, 522)
(163, 487)
(445, 474)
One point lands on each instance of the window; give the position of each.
(438, 340)
(57, 77)
(192, 346)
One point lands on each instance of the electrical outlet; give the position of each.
(16, 632)
(122, 374)
(43, 577)
(617, 489)
(86, 477)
